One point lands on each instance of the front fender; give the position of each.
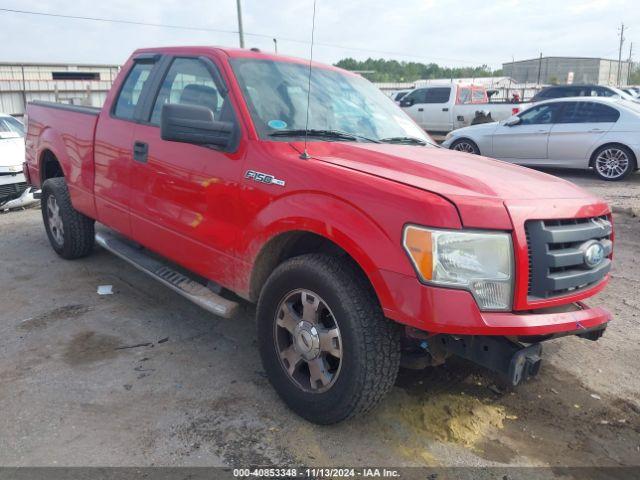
(375, 244)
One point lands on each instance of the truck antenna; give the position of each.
(305, 155)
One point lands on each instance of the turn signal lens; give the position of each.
(419, 245)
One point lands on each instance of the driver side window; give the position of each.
(540, 115)
(189, 82)
(417, 96)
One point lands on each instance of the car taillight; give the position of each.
(515, 111)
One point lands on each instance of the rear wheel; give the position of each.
(465, 145)
(325, 344)
(70, 233)
(614, 162)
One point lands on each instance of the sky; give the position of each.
(450, 33)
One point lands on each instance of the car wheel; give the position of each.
(325, 344)
(613, 162)
(70, 233)
(465, 145)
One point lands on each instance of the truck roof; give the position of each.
(232, 52)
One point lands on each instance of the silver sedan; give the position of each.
(594, 132)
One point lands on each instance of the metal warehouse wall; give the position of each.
(21, 83)
(556, 70)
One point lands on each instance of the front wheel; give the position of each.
(613, 162)
(465, 145)
(325, 344)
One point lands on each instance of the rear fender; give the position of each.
(76, 162)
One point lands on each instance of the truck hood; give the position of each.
(11, 152)
(478, 186)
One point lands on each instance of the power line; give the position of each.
(233, 32)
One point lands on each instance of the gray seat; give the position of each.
(203, 95)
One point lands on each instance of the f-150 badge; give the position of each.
(263, 178)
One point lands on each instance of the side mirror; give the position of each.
(512, 121)
(406, 103)
(194, 124)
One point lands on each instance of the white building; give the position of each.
(68, 83)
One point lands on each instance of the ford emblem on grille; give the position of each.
(593, 254)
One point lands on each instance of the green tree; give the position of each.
(634, 78)
(381, 70)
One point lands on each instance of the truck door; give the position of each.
(413, 105)
(184, 204)
(438, 109)
(526, 142)
(113, 146)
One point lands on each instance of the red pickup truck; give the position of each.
(365, 246)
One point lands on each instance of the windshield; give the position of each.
(10, 127)
(276, 94)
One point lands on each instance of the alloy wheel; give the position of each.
(54, 219)
(308, 341)
(465, 147)
(612, 163)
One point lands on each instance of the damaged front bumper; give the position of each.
(28, 197)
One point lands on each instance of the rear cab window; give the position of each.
(131, 90)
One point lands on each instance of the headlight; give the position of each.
(449, 135)
(481, 262)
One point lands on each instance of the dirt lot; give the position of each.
(142, 377)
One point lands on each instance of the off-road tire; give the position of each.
(78, 229)
(370, 342)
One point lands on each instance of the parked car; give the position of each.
(564, 91)
(399, 95)
(440, 108)
(597, 132)
(364, 245)
(633, 91)
(14, 191)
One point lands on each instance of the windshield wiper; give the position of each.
(406, 140)
(335, 134)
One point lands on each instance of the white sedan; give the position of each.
(595, 132)
(14, 191)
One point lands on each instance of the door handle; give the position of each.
(596, 130)
(140, 152)
(445, 109)
(421, 109)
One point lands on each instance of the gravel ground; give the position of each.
(142, 377)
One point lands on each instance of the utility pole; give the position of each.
(620, 53)
(539, 68)
(629, 64)
(275, 44)
(240, 30)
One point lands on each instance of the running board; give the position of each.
(185, 286)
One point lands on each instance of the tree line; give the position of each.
(381, 70)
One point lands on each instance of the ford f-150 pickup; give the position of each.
(232, 175)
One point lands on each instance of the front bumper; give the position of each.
(444, 310)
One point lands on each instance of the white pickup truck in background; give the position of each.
(441, 108)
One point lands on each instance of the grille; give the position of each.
(557, 254)
(12, 190)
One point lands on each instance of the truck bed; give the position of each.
(69, 131)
